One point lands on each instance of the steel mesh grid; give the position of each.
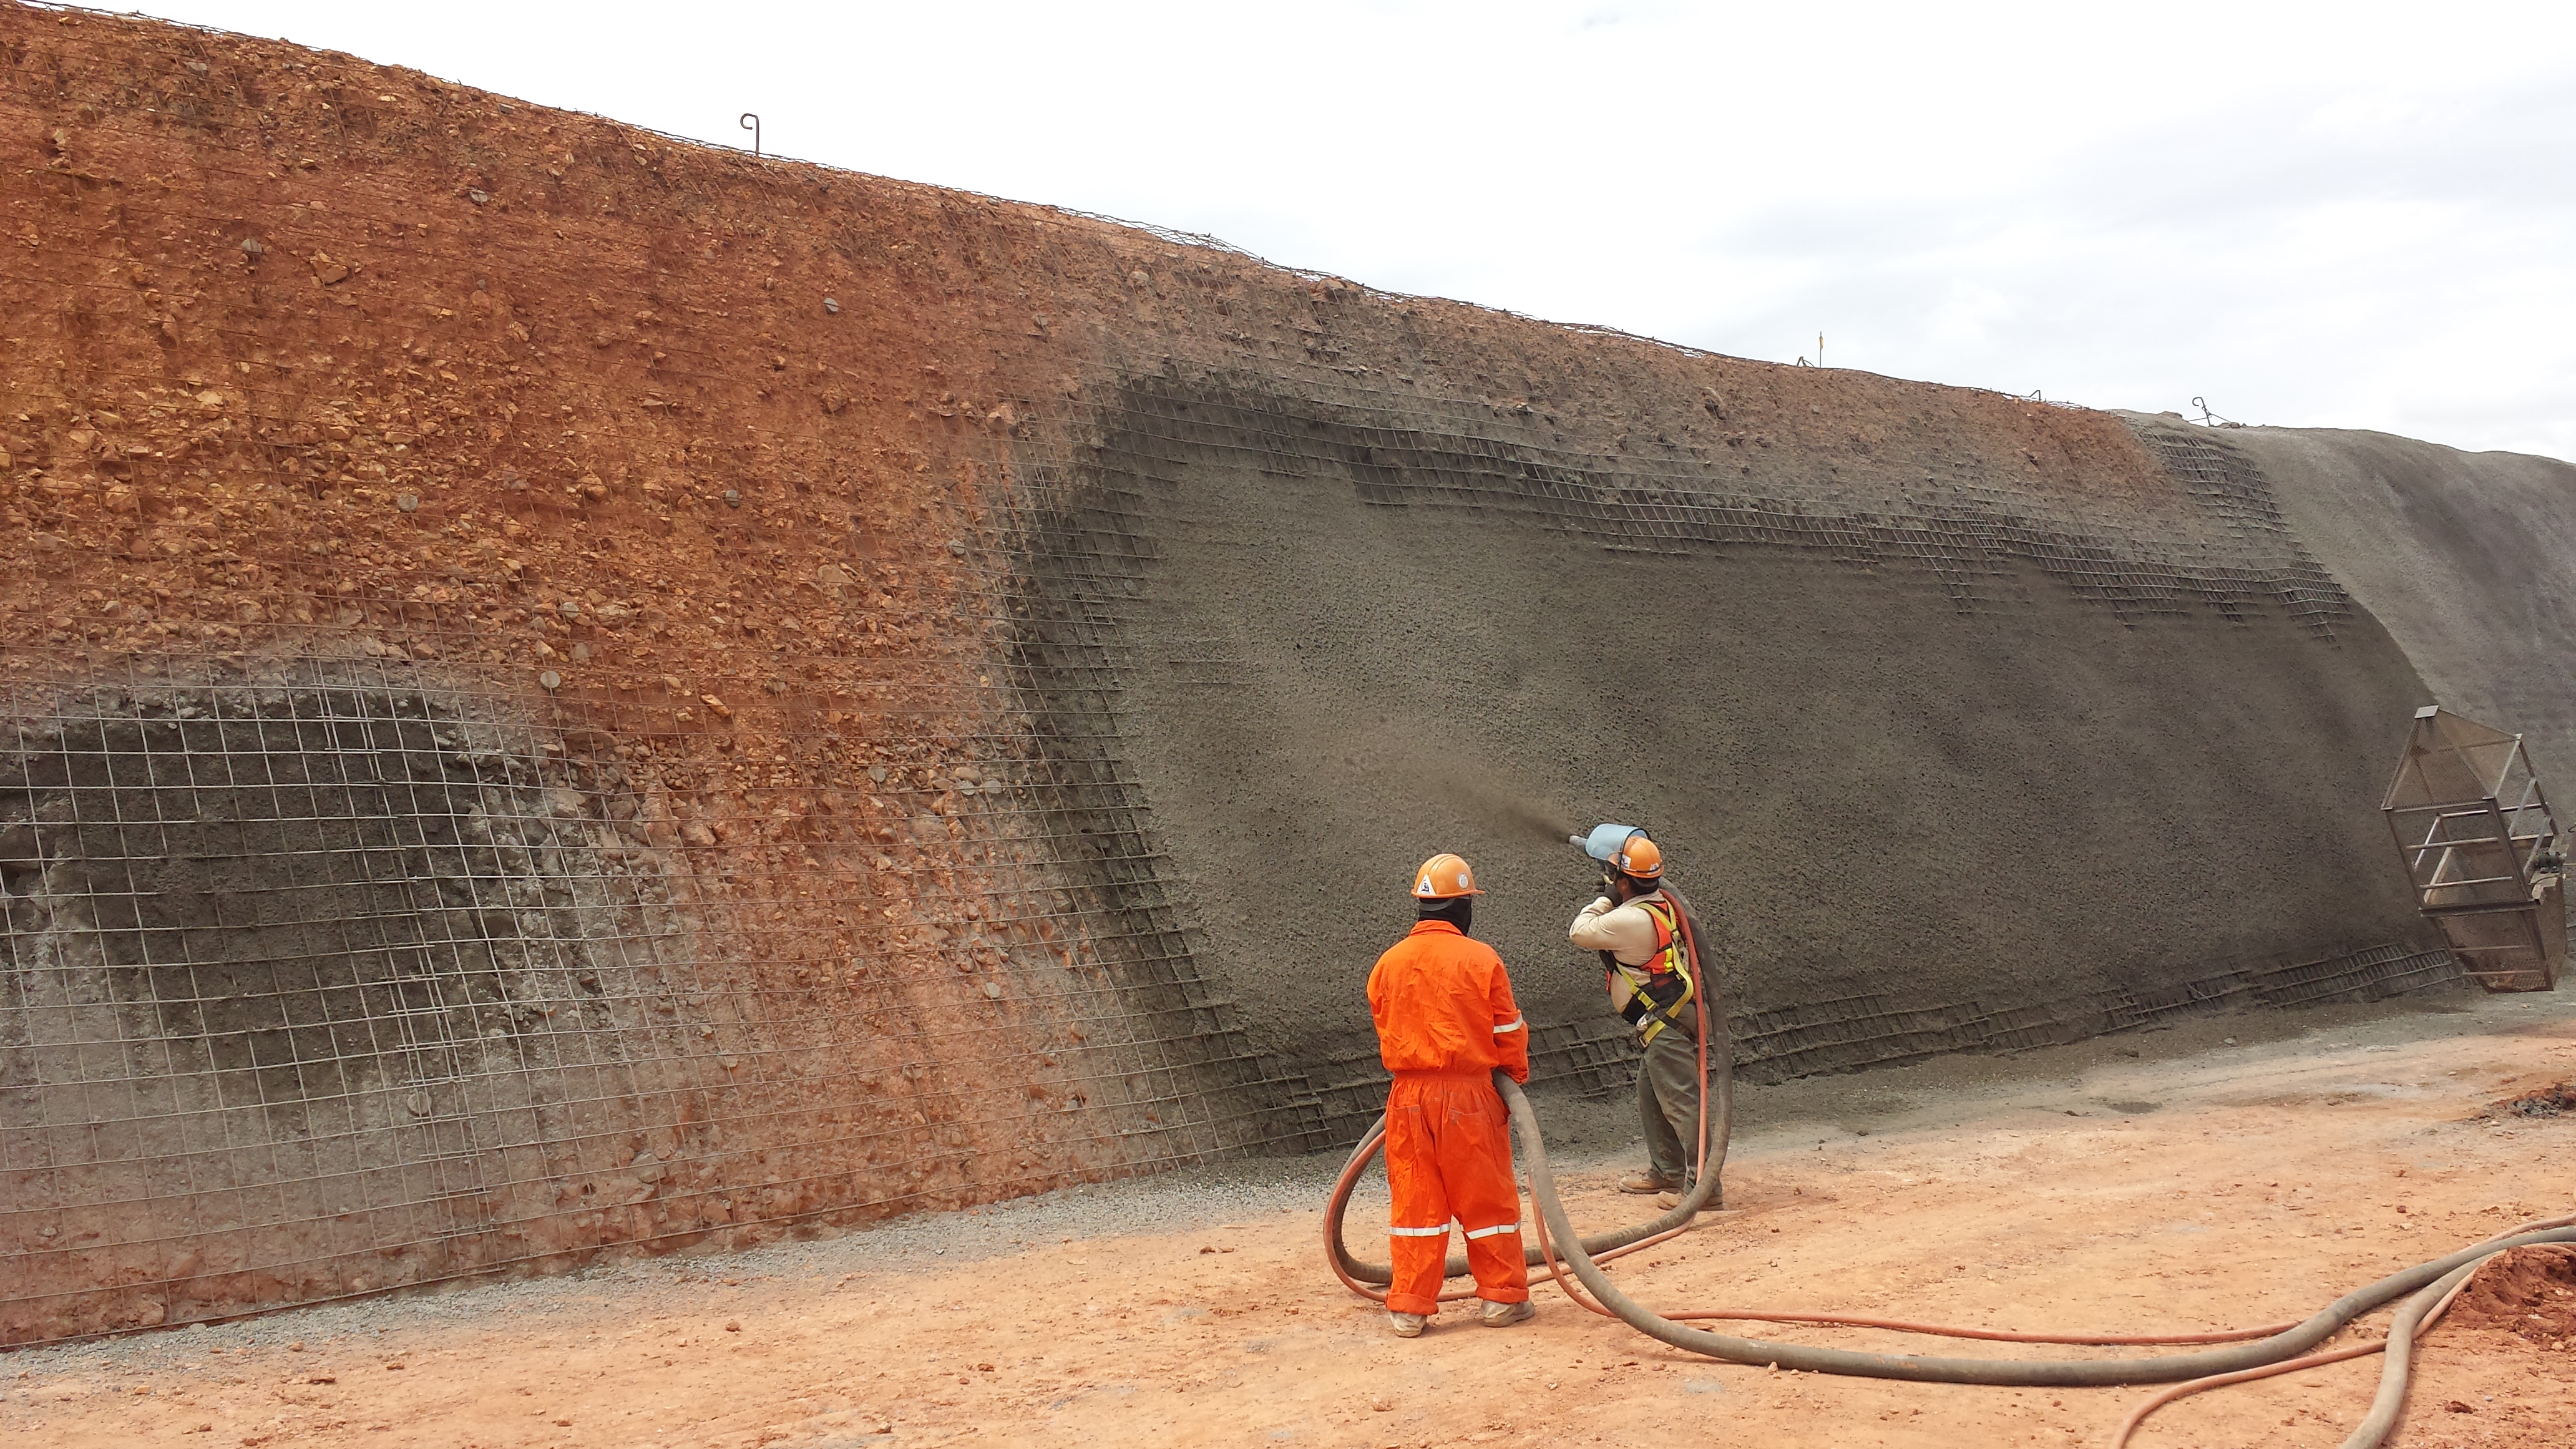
(1140, 474)
(1114, 920)
(2229, 551)
(453, 1201)
(543, 979)
(1140, 969)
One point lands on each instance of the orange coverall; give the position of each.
(1445, 1020)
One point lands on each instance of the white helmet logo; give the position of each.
(1423, 889)
(1462, 880)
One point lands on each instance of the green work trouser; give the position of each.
(1668, 1102)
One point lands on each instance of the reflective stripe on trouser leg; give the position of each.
(1416, 1195)
(1449, 1156)
(1417, 1256)
(1494, 1256)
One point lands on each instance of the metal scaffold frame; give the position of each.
(2481, 849)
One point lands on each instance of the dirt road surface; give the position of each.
(2230, 1171)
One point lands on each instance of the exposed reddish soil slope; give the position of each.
(306, 356)
(803, 528)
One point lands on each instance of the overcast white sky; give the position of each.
(2349, 215)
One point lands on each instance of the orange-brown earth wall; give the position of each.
(582, 692)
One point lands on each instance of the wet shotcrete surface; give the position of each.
(1877, 798)
(2228, 1171)
(2474, 585)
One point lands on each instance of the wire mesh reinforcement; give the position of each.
(333, 970)
(410, 871)
(1136, 475)
(2230, 553)
(342, 958)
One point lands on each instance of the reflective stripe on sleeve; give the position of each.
(1475, 1233)
(1513, 1025)
(1418, 1232)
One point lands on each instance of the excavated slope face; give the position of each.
(518, 741)
(2463, 556)
(573, 693)
(1945, 755)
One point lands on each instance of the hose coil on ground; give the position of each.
(1716, 1127)
(2427, 1287)
(2015, 1373)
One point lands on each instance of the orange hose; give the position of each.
(1665, 1327)
(1556, 1271)
(1350, 1178)
(1997, 1335)
(2190, 1387)
(1342, 1186)
(1351, 1170)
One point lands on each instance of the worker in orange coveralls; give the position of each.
(1445, 1020)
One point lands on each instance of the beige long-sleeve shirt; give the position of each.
(1624, 931)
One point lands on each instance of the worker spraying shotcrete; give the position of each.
(1646, 962)
(1447, 1156)
(1446, 1022)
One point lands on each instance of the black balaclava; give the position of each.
(1459, 911)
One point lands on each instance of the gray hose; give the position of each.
(1381, 1274)
(1717, 1092)
(2397, 1361)
(2036, 1373)
(1718, 1075)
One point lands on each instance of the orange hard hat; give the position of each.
(1444, 877)
(1641, 858)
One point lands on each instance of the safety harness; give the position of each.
(1661, 987)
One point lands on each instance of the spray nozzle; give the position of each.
(1604, 841)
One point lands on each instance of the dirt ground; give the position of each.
(2230, 1171)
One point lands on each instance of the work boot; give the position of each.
(1672, 1197)
(1408, 1325)
(1504, 1315)
(1641, 1183)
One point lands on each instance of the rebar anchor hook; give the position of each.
(2210, 419)
(751, 122)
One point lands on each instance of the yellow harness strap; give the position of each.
(1662, 986)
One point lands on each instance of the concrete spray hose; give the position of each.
(1716, 1128)
(2428, 1288)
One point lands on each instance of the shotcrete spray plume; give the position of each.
(1468, 788)
(1528, 815)
(1501, 805)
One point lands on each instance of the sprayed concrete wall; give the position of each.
(570, 693)
(2462, 556)
(1950, 754)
